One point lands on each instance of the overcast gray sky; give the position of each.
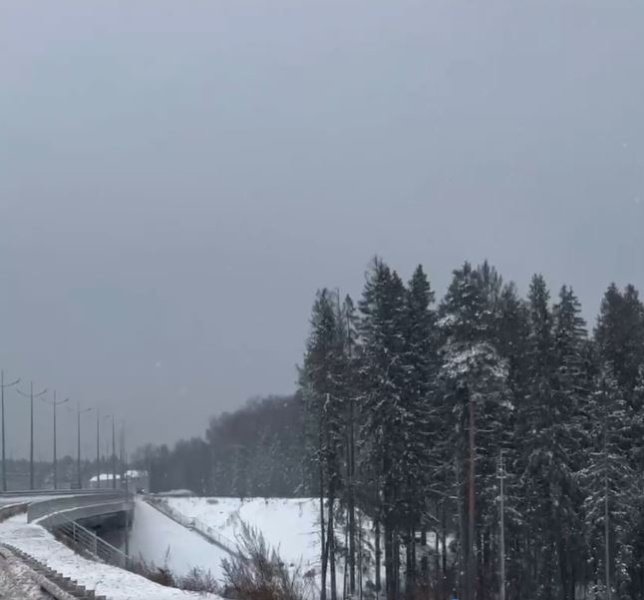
(177, 178)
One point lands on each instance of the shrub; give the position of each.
(198, 580)
(258, 573)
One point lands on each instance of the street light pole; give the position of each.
(98, 421)
(78, 445)
(122, 455)
(4, 385)
(55, 404)
(31, 397)
(98, 448)
(113, 454)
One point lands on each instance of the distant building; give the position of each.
(134, 481)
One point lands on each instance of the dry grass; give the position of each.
(258, 573)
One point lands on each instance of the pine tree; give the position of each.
(620, 335)
(474, 381)
(539, 461)
(571, 389)
(609, 505)
(383, 370)
(420, 365)
(322, 384)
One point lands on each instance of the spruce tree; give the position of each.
(571, 389)
(420, 364)
(474, 379)
(382, 309)
(609, 482)
(620, 335)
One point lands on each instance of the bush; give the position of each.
(161, 575)
(258, 573)
(198, 580)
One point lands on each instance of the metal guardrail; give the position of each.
(35, 493)
(86, 540)
(195, 524)
(57, 515)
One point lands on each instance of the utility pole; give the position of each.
(502, 523)
(78, 445)
(98, 448)
(122, 455)
(54, 405)
(113, 454)
(31, 397)
(4, 385)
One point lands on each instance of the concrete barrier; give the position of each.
(11, 510)
(78, 506)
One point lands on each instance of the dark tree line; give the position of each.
(255, 451)
(404, 409)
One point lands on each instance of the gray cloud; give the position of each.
(176, 179)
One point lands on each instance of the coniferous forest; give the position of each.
(494, 443)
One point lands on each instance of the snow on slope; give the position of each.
(162, 541)
(112, 582)
(288, 524)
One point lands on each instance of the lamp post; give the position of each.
(4, 385)
(113, 454)
(113, 458)
(31, 397)
(55, 404)
(122, 455)
(78, 444)
(98, 448)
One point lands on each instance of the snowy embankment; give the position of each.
(112, 582)
(159, 540)
(289, 525)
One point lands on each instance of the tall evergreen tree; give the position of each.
(571, 389)
(382, 325)
(322, 379)
(610, 503)
(420, 365)
(474, 381)
(620, 335)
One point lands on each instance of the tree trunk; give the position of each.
(436, 560)
(460, 503)
(378, 553)
(390, 584)
(323, 545)
(351, 503)
(471, 523)
(396, 562)
(443, 587)
(331, 542)
(409, 564)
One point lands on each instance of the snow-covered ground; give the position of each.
(289, 525)
(160, 540)
(112, 582)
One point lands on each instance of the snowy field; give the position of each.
(289, 525)
(112, 582)
(160, 540)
